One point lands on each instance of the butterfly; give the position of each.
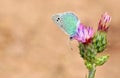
(68, 22)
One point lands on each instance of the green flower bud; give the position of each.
(87, 52)
(100, 41)
(101, 60)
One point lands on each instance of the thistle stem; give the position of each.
(92, 72)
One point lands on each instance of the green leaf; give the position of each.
(101, 60)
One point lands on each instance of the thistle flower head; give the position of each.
(104, 22)
(84, 34)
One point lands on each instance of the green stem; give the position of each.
(92, 72)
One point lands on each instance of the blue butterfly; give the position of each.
(68, 22)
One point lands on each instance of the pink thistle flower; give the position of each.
(84, 34)
(103, 24)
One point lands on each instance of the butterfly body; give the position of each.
(68, 22)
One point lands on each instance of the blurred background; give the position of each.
(32, 46)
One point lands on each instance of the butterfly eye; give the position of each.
(58, 19)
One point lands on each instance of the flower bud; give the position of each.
(104, 22)
(101, 60)
(100, 41)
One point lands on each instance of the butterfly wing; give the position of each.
(67, 21)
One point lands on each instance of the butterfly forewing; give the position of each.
(67, 22)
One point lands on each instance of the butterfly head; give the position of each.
(57, 19)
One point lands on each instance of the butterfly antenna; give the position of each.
(70, 45)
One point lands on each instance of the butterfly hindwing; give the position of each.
(67, 22)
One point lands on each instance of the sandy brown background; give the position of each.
(32, 46)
